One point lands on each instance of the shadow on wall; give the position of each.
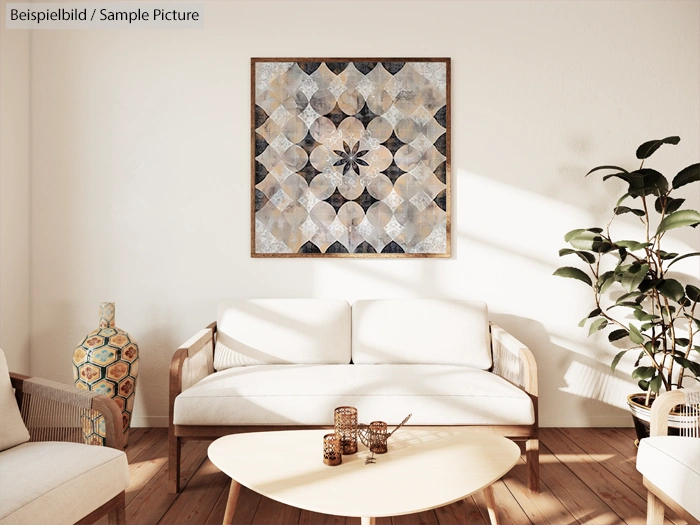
(591, 386)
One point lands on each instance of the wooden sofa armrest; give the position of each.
(40, 399)
(192, 362)
(513, 361)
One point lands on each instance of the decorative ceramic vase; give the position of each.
(107, 362)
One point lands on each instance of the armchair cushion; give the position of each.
(58, 483)
(12, 430)
(278, 331)
(672, 463)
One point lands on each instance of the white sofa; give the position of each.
(275, 363)
(47, 477)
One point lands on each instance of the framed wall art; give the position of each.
(350, 157)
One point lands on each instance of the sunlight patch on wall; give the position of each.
(585, 381)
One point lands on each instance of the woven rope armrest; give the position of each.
(686, 402)
(513, 361)
(56, 412)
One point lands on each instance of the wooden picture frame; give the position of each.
(350, 157)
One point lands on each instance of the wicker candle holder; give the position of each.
(331, 450)
(345, 419)
(378, 436)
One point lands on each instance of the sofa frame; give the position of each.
(512, 361)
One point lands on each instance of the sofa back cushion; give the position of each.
(277, 331)
(422, 331)
(12, 429)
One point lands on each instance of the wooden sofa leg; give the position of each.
(117, 516)
(532, 457)
(174, 446)
(655, 510)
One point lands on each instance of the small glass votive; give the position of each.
(331, 450)
(345, 424)
(378, 435)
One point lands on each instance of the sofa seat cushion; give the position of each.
(58, 483)
(276, 331)
(672, 463)
(421, 331)
(307, 395)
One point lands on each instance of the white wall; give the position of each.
(141, 183)
(15, 49)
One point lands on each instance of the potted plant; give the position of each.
(650, 310)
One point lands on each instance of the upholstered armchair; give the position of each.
(48, 474)
(671, 464)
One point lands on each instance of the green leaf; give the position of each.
(666, 255)
(678, 219)
(635, 335)
(593, 313)
(623, 254)
(618, 168)
(628, 297)
(592, 241)
(696, 321)
(620, 175)
(682, 341)
(616, 335)
(619, 210)
(595, 230)
(633, 245)
(643, 385)
(605, 281)
(572, 234)
(616, 360)
(655, 384)
(626, 304)
(596, 325)
(573, 273)
(634, 276)
(586, 256)
(641, 315)
(694, 254)
(648, 148)
(687, 175)
(647, 181)
(671, 289)
(647, 284)
(621, 199)
(583, 255)
(643, 372)
(693, 293)
(667, 205)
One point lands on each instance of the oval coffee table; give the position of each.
(425, 468)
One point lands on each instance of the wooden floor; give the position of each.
(587, 476)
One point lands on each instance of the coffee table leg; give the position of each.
(231, 502)
(491, 504)
(368, 521)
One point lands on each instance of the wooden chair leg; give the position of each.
(117, 516)
(532, 457)
(655, 510)
(174, 446)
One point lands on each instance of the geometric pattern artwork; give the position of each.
(350, 157)
(107, 362)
